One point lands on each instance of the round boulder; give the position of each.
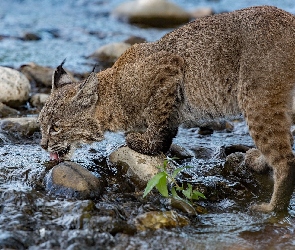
(14, 87)
(139, 168)
(70, 180)
(109, 53)
(39, 74)
(155, 13)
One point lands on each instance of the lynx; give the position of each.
(226, 64)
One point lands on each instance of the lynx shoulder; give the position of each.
(238, 62)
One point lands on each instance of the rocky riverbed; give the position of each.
(95, 201)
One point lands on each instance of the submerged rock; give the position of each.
(156, 219)
(14, 87)
(134, 39)
(139, 168)
(29, 36)
(156, 13)
(70, 180)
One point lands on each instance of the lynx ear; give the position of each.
(60, 77)
(88, 95)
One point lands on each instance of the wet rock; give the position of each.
(70, 180)
(14, 87)
(155, 220)
(139, 168)
(29, 36)
(6, 111)
(38, 100)
(38, 74)
(21, 127)
(183, 206)
(209, 127)
(201, 12)
(179, 152)
(156, 13)
(109, 53)
(233, 162)
(235, 148)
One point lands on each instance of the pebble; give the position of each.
(70, 180)
(156, 13)
(14, 87)
(139, 168)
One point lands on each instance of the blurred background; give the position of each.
(47, 31)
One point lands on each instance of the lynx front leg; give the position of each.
(161, 113)
(162, 124)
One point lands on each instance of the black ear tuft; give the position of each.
(94, 67)
(60, 76)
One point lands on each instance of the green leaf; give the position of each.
(177, 170)
(174, 193)
(188, 192)
(196, 195)
(153, 182)
(165, 163)
(162, 186)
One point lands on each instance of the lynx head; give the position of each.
(68, 116)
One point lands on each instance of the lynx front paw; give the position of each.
(142, 144)
(263, 207)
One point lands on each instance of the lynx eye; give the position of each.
(55, 128)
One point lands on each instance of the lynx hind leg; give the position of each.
(270, 131)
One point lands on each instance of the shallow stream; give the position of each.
(31, 219)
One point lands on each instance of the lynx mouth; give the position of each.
(59, 155)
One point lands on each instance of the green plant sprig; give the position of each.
(161, 180)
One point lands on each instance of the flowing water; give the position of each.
(30, 218)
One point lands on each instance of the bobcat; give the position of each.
(226, 64)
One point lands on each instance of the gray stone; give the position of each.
(19, 127)
(70, 180)
(39, 74)
(140, 168)
(157, 13)
(38, 100)
(14, 87)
